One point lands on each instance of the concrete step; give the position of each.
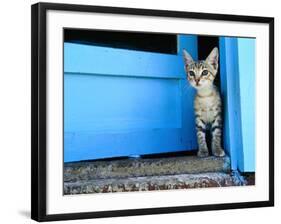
(125, 168)
(148, 183)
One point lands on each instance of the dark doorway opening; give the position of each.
(151, 42)
(205, 45)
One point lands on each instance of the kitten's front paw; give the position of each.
(219, 152)
(203, 153)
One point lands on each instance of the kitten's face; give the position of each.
(201, 74)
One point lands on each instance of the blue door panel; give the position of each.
(122, 102)
(115, 104)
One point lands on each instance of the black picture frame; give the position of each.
(39, 122)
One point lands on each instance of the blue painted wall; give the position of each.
(121, 102)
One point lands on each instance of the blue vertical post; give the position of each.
(230, 90)
(246, 61)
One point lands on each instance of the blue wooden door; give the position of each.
(120, 102)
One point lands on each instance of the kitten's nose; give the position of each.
(197, 81)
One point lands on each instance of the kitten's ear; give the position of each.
(213, 59)
(187, 57)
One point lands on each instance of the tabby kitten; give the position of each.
(207, 102)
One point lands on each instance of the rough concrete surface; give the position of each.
(126, 175)
(144, 167)
(148, 183)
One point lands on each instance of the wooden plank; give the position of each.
(85, 59)
(85, 145)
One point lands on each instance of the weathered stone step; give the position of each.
(148, 183)
(144, 167)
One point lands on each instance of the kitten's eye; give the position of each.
(191, 73)
(205, 72)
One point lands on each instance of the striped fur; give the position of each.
(207, 102)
